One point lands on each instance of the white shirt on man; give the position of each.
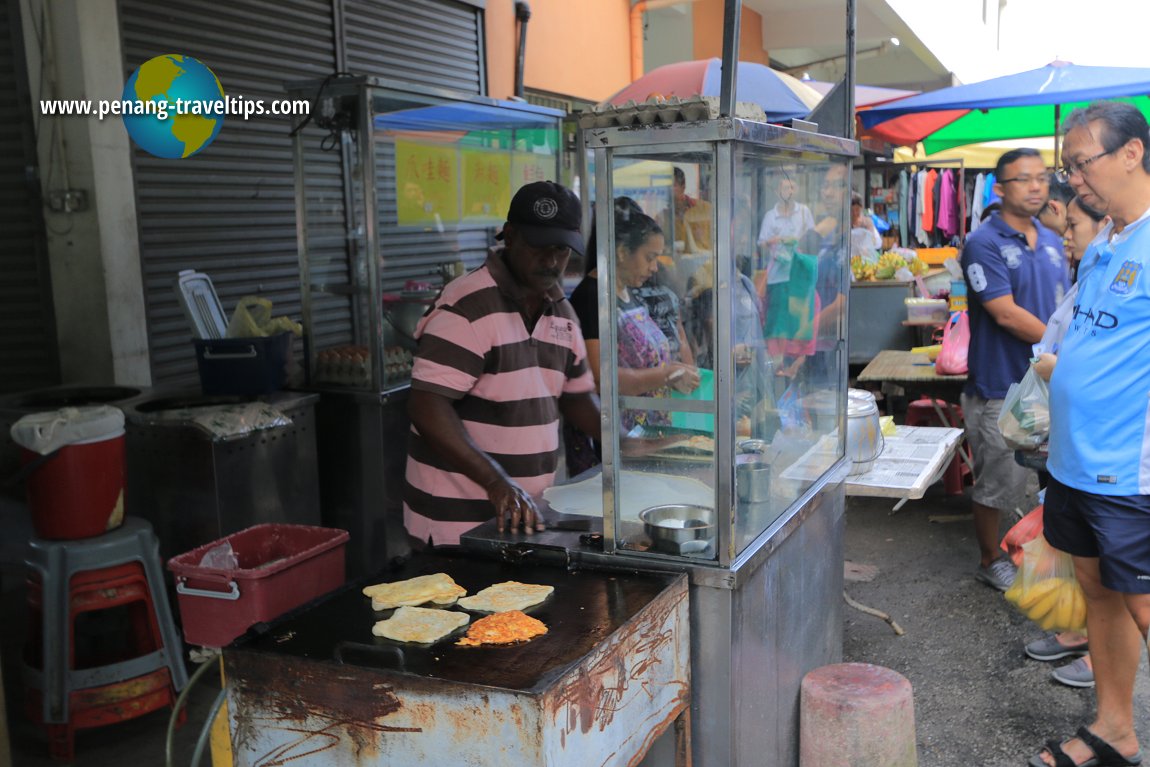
(786, 225)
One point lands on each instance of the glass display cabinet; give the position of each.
(397, 193)
(723, 325)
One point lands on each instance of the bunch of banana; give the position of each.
(1055, 604)
(863, 270)
(917, 267)
(888, 264)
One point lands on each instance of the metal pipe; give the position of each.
(522, 16)
(1057, 139)
(636, 26)
(849, 117)
(732, 14)
(637, 39)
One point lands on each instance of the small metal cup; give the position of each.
(752, 479)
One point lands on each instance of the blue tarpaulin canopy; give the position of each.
(1023, 105)
(466, 116)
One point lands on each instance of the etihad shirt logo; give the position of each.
(1124, 281)
(1099, 320)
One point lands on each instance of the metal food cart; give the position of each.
(758, 483)
(754, 460)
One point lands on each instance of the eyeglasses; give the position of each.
(1079, 167)
(1042, 180)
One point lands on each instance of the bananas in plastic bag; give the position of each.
(1045, 589)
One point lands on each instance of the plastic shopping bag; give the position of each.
(1024, 531)
(1057, 324)
(1025, 417)
(1045, 589)
(955, 346)
(253, 318)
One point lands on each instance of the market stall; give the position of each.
(703, 483)
(760, 540)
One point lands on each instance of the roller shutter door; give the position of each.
(230, 210)
(416, 45)
(28, 354)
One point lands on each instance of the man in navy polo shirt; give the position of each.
(1015, 275)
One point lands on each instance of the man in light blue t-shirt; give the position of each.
(1016, 274)
(1098, 502)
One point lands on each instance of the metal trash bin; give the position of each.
(195, 489)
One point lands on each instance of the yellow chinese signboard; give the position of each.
(441, 184)
(486, 185)
(527, 167)
(427, 183)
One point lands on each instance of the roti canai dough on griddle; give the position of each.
(420, 624)
(438, 588)
(509, 595)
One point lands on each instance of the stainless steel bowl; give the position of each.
(672, 525)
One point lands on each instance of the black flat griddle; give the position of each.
(586, 607)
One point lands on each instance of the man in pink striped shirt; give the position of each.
(500, 358)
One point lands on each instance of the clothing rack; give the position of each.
(954, 164)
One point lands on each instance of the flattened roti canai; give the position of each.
(419, 624)
(438, 588)
(509, 595)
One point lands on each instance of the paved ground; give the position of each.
(978, 700)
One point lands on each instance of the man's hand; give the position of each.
(1044, 367)
(512, 503)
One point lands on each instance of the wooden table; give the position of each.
(914, 371)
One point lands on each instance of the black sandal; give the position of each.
(1105, 754)
(1061, 758)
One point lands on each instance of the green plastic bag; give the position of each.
(253, 318)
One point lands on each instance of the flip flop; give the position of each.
(1107, 755)
(1061, 758)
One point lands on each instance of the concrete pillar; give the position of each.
(73, 52)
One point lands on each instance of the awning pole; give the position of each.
(732, 14)
(1057, 139)
(849, 74)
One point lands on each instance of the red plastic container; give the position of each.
(280, 568)
(79, 491)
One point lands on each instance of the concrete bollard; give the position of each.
(856, 715)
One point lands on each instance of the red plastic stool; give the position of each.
(922, 412)
(102, 648)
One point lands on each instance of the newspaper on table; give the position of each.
(910, 461)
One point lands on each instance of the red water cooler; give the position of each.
(73, 460)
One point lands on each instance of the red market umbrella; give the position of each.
(781, 96)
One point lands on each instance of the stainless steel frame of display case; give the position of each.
(763, 616)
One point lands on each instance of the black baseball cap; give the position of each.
(546, 213)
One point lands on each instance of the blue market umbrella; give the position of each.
(1023, 105)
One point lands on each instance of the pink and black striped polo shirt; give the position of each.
(475, 348)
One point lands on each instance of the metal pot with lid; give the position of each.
(864, 436)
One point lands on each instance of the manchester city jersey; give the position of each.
(1100, 390)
